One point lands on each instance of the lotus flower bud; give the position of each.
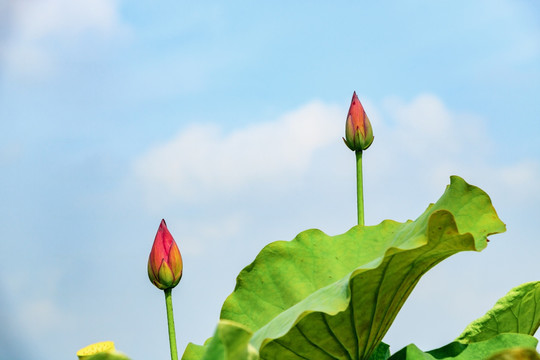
(165, 262)
(358, 130)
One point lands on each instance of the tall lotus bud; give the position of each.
(358, 130)
(165, 262)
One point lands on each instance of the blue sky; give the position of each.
(225, 119)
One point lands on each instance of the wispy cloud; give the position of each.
(421, 141)
(425, 142)
(203, 160)
(33, 28)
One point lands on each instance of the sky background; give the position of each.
(225, 118)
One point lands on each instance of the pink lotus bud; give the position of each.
(165, 262)
(358, 130)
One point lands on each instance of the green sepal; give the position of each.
(165, 276)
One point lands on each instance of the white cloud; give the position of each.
(38, 19)
(34, 27)
(427, 142)
(195, 236)
(38, 314)
(418, 145)
(423, 143)
(41, 316)
(203, 160)
(523, 179)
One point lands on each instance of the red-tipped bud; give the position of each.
(358, 130)
(165, 262)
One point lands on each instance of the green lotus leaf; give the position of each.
(348, 318)
(334, 297)
(194, 351)
(517, 312)
(382, 352)
(480, 350)
(516, 353)
(230, 342)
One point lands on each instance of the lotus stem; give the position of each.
(359, 188)
(170, 321)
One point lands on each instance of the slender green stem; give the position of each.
(359, 188)
(170, 321)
